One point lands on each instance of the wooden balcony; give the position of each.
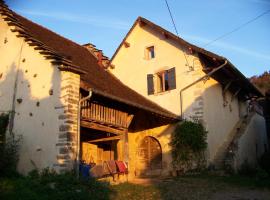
(104, 116)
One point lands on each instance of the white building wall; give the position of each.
(131, 67)
(220, 117)
(38, 102)
(253, 143)
(203, 100)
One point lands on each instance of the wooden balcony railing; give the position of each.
(92, 111)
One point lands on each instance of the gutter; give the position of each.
(79, 130)
(198, 80)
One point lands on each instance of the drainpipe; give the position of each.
(79, 130)
(198, 80)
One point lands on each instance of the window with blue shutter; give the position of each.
(150, 84)
(161, 82)
(171, 79)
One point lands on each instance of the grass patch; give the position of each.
(127, 191)
(52, 186)
(48, 186)
(191, 187)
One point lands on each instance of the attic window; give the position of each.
(150, 53)
(161, 82)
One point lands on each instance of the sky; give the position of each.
(106, 22)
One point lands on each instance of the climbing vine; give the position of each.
(188, 146)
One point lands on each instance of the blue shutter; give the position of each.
(172, 80)
(150, 84)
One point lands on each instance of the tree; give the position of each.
(262, 81)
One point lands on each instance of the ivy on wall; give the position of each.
(188, 146)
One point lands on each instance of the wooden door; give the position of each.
(149, 154)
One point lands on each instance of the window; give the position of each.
(161, 81)
(150, 52)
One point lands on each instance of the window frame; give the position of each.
(161, 82)
(149, 52)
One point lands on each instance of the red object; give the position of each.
(121, 166)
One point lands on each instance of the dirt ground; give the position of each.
(192, 188)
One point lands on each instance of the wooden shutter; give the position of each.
(172, 81)
(150, 84)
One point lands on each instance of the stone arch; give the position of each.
(149, 156)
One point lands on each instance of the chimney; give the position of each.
(103, 61)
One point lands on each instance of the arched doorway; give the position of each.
(149, 156)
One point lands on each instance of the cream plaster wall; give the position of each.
(37, 116)
(203, 100)
(251, 145)
(219, 118)
(132, 68)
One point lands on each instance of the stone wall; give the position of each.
(68, 120)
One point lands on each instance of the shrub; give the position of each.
(3, 127)
(188, 146)
(66, 186)
(9, 147)
(9, 156)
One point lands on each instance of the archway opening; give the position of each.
(149, 156)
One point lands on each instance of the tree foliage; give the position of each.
(262, 81)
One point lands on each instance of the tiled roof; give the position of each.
(78, 59)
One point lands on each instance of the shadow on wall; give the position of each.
(33, 95)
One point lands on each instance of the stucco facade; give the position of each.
(43, 100)
(253, 142)
(217, 108)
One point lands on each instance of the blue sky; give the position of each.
(106, 22)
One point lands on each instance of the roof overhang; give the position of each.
(166, 114)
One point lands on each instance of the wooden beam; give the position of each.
(129, 120)
(235, 94)
(126, 44)
(227, 87)
(165, 35)
(105, 139)
(141, 23)
(101, 127)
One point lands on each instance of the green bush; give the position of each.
(9, 147)
(47, 185)
(3, 127)
(188, 145)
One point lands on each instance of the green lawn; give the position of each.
(54, 187)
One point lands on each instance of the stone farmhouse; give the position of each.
(70, 103)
